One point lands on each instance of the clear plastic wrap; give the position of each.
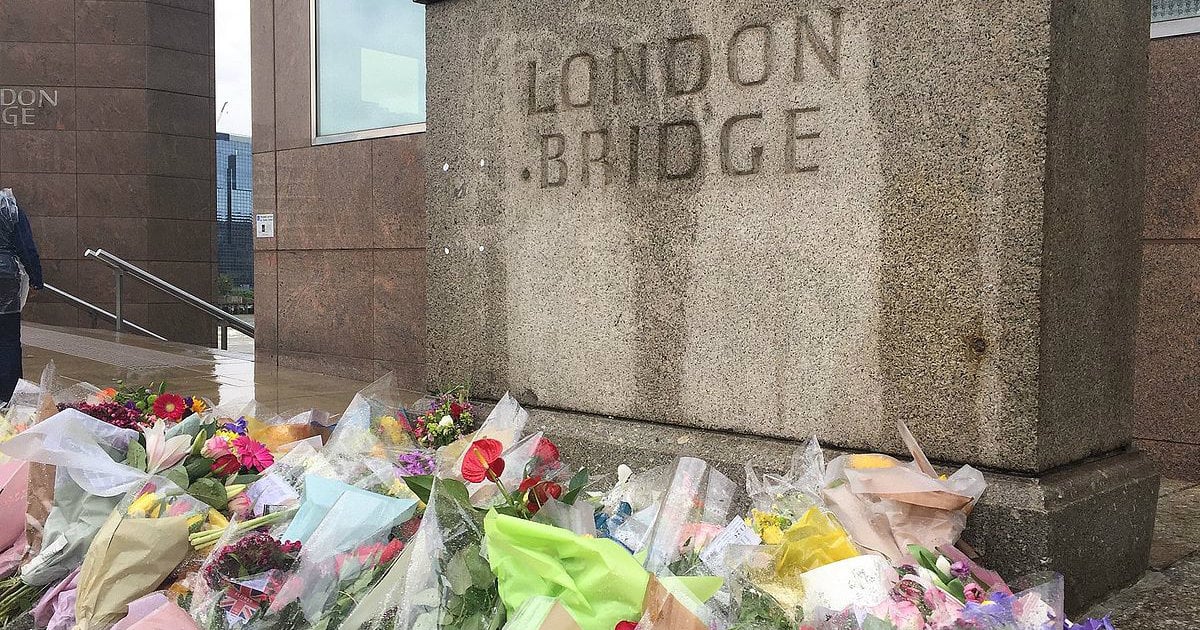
(84, 447)
(696, 503)
(14, 280)
(794, 491)
(505, 424)
(371, 424)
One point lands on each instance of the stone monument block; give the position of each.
(796, 218)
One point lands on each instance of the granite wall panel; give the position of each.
(119, 153)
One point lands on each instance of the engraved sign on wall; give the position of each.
(681, 106)
(20, 107)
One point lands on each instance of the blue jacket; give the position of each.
(27, 252)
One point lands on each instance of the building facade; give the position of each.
(106, 138)
(338, 107)
(235, 212)
(1167, 381)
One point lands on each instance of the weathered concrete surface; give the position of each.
(950, 239)
(1092, 522)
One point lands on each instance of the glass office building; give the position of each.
(235, 210)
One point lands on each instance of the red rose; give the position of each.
(483, 461)
(226, 465)
(456, 410)
(390, 551)
(546, 452)
(540, 494)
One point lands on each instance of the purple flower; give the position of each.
(238, 426)
(997, 611)
(132, 406)
(960, 570)
(415, 463)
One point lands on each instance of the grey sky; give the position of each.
(233, 66)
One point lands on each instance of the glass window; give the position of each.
(370, 65)
(1163, 10)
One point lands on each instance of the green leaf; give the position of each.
(455, 489)
(210, 491)
(178, 476)
(955, 588)
(246, 479)
(481, 572)
(421, 485)
(136, 457)
(458, 574)
(199, 468)
(575, 486)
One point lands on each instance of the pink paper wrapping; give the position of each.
(14, 501)
(156, 612)
(56, 609)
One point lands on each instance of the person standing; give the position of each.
(20, 269)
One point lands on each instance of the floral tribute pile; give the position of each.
(170, 512)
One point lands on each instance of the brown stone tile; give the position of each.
(322, 363)
(111, 22)
(37, 20)
(184, 156)
(1173, 132)
(196, 278)
(35, 63)
(293, 69)
(179, 322)
(43, 194)
(1167, 363)
(399, 306)
(110, 195)
(38, 151)
(409, 376)
(266, 304)
(1176, 460)
(1171, 486)
(56, 313)
(179, 71)
(183, 198)
(325, 302)
(398, 191)
(118, 152)
(57, 237)
(63, 274)
(109, 65)
(33, 107)
(112, 109)
(179, 29)
(324, 197)
(262, 75)
(123, 237)
(264, 193)
(97, 284)
(180, 114)
(179, 240)
(1176, 527)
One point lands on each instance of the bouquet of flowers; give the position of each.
(448, 418)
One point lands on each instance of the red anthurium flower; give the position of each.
(226, 465)
(169, 407)
(483, 461)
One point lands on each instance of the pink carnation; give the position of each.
(252, 454)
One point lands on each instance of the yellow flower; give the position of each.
(391, 429)
(871, 460)
(147, 505)
(217, 520)
(198, 405)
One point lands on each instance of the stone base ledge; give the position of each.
(1091, 521)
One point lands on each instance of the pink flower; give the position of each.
(241, 506)
(215, 447)
(252, 454)
(178, 508)
(974, 593)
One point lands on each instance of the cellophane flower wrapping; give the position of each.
(278, 432)
(695, 505)
(505, 424)
(142, 542)
(370, 425)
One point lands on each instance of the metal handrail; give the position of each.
(97, 311)
(123, 267)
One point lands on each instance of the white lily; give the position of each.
(162, 453)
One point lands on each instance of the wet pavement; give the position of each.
(1164, 599)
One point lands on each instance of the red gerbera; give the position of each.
(169, 407)
(483, 461)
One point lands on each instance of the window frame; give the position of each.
(349, 136)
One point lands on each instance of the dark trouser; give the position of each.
(10, 354)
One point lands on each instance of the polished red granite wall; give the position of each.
(118, 154)
(341, 287)
(1167, 380)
